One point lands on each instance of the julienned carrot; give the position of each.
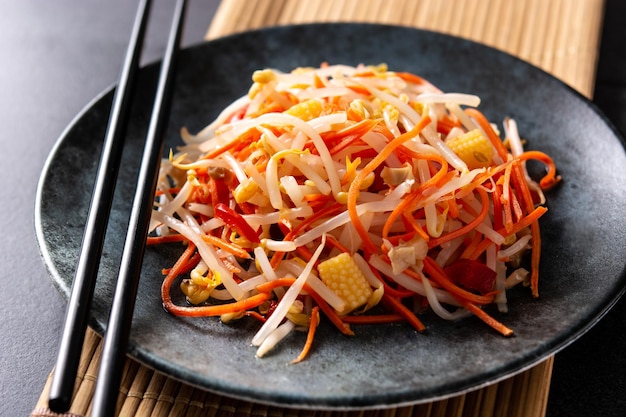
(505, 198)
(315, 318)
(345, 137)
(409, 202)
(397, 306)
(318, 82)
(550, 179)
(453, 208)
(158, 240)
(218, 309)
(374, 319)
(529, 219)
(498, 219)
(175, 271)
(469, 226)
(489, 320)
(437, 274)
(191, 264)
(333, 242)
(527, 200)
(355, 187)
(256, 315)
(244, 139)
(419, 230)
(493, 137)
(227, 246)
(517, 208)
(472, 245)
(174, 190)
(411, 78)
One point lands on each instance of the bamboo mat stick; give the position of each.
(560, 36)
(84, 394)
(196, 404)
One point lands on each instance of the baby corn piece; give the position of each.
(342, 275)
(473, 148)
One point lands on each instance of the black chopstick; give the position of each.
(120, 319)
(79, 304)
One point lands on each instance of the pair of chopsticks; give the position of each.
(119, 324)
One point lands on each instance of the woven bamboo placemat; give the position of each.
(560, 36)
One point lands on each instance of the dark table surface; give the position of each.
(58, 55)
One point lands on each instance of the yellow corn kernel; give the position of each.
(473, 148)
(342, 275)
(306, 110)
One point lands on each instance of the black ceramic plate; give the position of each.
(584, 232)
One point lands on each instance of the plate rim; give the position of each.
(598, 313)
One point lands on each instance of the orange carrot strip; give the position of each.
(175, 271)
(550, 179)
(484, 124)
(535, 257)
(256, 315)
(469, 226)
(517, 208)
(218, 309)
(505, 197)
(358, 89)
(304, 253)
(473, 244)
(330, 312)
(453, 208)
(353, 191)
(497, 208)
(191, 264)
(437, 274)
(157, 240)
(227, 246)
(315, 318)
(527, 199)
(411, 78)
(332, 241)
(202, 311)
(416, 226)
(175, 190)
(408, 203)
(318, 82)
(490, 321)
(402, 310)
(374, 319)
(347, 135)
(243, 139)
(523, 223)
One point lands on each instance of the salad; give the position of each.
(356, 193)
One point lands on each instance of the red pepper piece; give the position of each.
(472, 275)
(236, 222)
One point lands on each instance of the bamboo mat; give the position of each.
(560, 36)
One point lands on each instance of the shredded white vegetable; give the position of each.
(410, 181)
